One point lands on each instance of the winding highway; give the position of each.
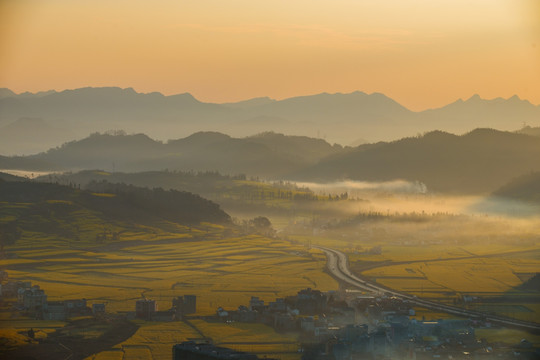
(338, 266)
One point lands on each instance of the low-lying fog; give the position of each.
(403, 210)
(400, 196)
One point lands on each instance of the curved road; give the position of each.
(338, 265)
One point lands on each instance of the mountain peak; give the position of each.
(184, 96)
(475, 97)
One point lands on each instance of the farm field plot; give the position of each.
(474, 275)
(154, 340)
(223, 272)
(220, 271)
(488, 276)
(257, 338)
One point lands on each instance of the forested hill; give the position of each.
(111, 202)
(478, 162)
(267, 154)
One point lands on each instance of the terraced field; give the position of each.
(221, 272)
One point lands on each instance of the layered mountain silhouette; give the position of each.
(341, 118)
(480, 161)
(267, 154)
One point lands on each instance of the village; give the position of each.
(335, 325)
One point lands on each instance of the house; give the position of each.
(55, 311)
(34, 299)
(76, 307)
(243, 314)
(310, 301)
(63, 310)
(184, 305)
(256, 304)
(145, 308)
(22, 287)
(277, 306)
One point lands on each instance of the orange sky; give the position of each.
(422, 53)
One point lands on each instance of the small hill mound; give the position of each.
(525, 188)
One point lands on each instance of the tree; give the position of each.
(9, 234)
(262, 225)
(261, 222)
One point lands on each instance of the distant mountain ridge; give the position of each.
(477, 162)
(341, 118)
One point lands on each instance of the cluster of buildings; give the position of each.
(331, 326)
(147, 309)
(309, 311)
(32, 300)
(338, 326)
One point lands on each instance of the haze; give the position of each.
(168, 169)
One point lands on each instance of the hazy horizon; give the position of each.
(169, 168)
(422, 54)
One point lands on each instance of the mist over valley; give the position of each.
(307, 180)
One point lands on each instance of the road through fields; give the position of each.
(338, 266)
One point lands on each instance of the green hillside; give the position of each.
(102, 213)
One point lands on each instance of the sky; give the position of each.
(422, 53)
